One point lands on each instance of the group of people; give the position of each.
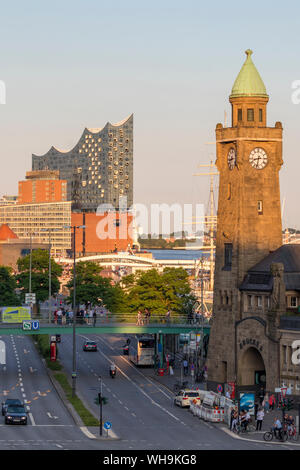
(64, 316)
(143, 318)
(287, 425)
(243, 419)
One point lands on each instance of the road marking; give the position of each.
(87, 432)
(139, 388)
(31, 418)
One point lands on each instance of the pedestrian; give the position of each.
(168, 316)
(55, 317)
(185, 367)
(94, 318)
(233, 423)
(272, 402)
(266, 403)
(259, 419)
(261, 395)
(139, 319)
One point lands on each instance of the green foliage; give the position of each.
(92, 287)
(8, 285)
(39, 274)
(159, 292)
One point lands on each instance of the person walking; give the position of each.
(185, 367)
(272, 402)
(266, 403)
(168, 317)
(139, 319)
(259, 419)
(94, 318)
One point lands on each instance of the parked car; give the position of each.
(15, 414)
(90, 346)
(8, 402)
(184, 398)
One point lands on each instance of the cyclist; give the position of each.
(290, 424)
(277, 428)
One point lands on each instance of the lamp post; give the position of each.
(74, 374)
(49, 230)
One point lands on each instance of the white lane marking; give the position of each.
(87, 432)
(139, 388)
(50, 416)
(138, 371)
(31, 418)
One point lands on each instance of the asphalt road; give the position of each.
(141, 410)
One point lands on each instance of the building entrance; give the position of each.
(251, 368)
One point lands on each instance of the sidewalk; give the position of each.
(170, 380)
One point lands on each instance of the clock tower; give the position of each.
(249, 157)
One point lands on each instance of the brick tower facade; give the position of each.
(249, 157)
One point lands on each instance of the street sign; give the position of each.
(220, 388)
(53, 339)
(107, 425)
(35, 325)
(30, 298)
(27, 325)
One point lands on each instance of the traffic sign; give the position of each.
(220, 388)
(107, 425)
(27, 325)
(35, 325)
(30, 298)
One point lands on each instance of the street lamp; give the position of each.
(74, 227)
(49, 230)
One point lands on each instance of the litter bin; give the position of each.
(160, 372)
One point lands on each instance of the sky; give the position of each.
(68, 65)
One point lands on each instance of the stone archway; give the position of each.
(251, 370)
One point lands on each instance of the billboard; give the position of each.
(15, 314)
(247, 401)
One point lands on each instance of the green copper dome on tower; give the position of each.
(248, 82)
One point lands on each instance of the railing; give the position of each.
(109, 319)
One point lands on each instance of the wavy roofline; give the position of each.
(92, 130)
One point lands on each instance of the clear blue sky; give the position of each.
(74, 64)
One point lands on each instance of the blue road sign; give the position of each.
(220, 388)
(35, 325)
(107, 425)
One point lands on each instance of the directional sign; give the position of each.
(107, 425)
(30, 298)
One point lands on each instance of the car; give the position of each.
(8, 402)
(15, 414)
(90, 346)
(184, 398)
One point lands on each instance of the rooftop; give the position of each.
(248, 81)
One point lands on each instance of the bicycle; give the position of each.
(269, 435)
(244, 430)
(180, 385)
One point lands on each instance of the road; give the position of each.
(141, 410)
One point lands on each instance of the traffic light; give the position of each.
(290, 404)
(97, 400)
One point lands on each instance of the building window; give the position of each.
(249, 301)
(240, 115)
(259, 301)
(228, 256)
(260, 115)
(229, 191)
(260, 207)
(250, 114)
(293, 302)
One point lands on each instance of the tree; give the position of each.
(93, 288)
(39, 274)
(159, 292)
(8, 284)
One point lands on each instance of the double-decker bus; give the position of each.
(142, 350)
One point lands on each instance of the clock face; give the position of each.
(258, 158)
(231, 158)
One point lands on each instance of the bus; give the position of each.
(142, 350)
